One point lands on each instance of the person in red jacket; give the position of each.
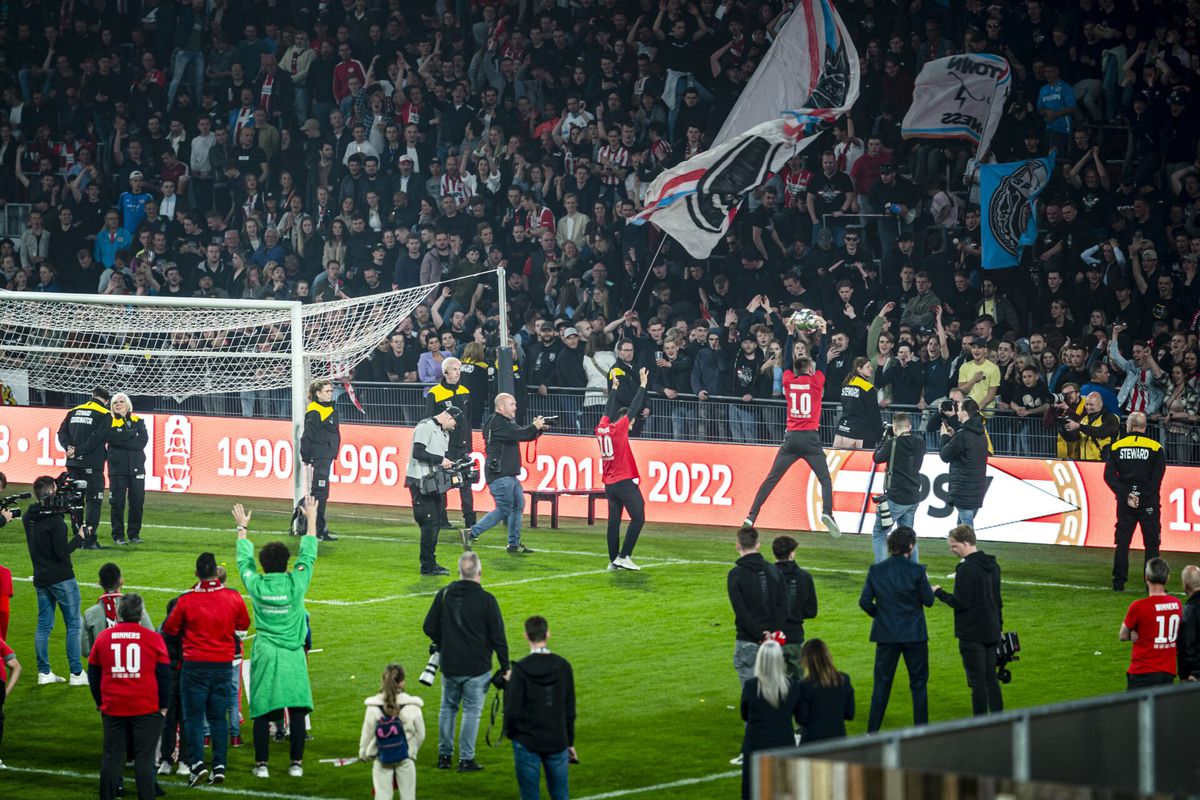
(211, 618)
(128, 672)
(621, 475)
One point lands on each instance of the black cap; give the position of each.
(888, 167)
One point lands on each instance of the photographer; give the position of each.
(428, 481)
(966, 451)
(319, 446)
(465, 626)
(6, 514)
(449, 393)
(83, 434)
(1097, 429)
(903, 453)
(1067, 407)
(127, 438)
(53, 579)
(502, 437)
(978, 617)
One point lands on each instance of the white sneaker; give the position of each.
(164, 768)
(49, 677)
(625, 562)
(612, 566)
(260, 771)
(748, 522)
(831, 526)
(78, 680)
(296, 771)
(737, 762)
(183, 769)
(2, 766)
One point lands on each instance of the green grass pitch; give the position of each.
(652, 651)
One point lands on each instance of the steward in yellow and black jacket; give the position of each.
(442, 396)
(83, 435)
(1135, 469)
(319, 446)
(860, 417)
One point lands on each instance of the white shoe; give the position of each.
(78, 680)
(50, 677)
(748, 522)
(737, 762)
(612, 566)
(831, 526)
(296, 771)
(2, 766)
(164, 768)
(183, 769)
(260, 771)
(625, 562)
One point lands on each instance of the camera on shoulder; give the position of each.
(61, 495)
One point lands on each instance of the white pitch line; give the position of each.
(64, 773)
(658, 787)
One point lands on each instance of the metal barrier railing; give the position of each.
(685, 418)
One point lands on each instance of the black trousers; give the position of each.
(916, 661)
(1146, 680)
(624, 496)
(797, 445)
(93, 495)
(296, 733)
(143, 731)
(133, 487)
(979, 662)
(427, 512)
(173, 725)
(1150, 520)
(319, 489)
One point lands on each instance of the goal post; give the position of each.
(184, 347)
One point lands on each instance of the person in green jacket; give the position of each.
(278, 665)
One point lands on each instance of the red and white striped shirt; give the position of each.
(453, 186)
(543, 218)
(795, 185)
(617, 158)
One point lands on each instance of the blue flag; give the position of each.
(1008, 208)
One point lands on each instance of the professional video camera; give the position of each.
(68, 497)
(10, 503)
(462, 472)
(1006, 653)
(948, 407)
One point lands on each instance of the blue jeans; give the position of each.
(235, 711)
(187, 65)
(468, 692)
(529, 773)
(902, 516)
(65, 596)
(966, 516)
(510, 505)
(204, 690)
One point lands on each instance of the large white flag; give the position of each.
(959, 97)
(808, 76)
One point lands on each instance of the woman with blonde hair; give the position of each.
(126, 438)
(770, 704)
(392, 706)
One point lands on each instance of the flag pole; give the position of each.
(649, 269)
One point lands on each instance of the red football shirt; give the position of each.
(803, 395)
(127, 655)
(616, 457)
(1156, 621)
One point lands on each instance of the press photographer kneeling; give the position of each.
(903, 453)
(430, 475)
(53, 576)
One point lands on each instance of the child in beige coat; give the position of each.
(392, 700)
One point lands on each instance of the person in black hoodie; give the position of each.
(759, 599)
(466, 628)
(570, 374)
(903, 453)
(801, 601)
(978, 617)
(127, 438)
(966, 451)
(539, 714)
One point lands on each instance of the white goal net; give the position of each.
(181, 348)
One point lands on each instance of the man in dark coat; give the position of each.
(893, 595)
(759, 600)
(801, 601)
(978, 617)
(966, 451)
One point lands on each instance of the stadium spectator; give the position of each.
(128, 670)
(208, 618)
(826, 695)
(978, 617)
(893, 596)
(53, 580)
(966, 451)
(126, 440)
(801, 601)
(903, 453)
(1135, 470)
(771, 705)
(502, 437)
(759, 598)
(1148, 624)
(1188, 643)
(279, 663)
(539, 715)
(392, 705)
(466, 628)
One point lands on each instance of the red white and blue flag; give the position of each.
(809, 76)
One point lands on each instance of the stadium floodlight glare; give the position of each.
(182, 347)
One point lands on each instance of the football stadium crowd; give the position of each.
(319, 150)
